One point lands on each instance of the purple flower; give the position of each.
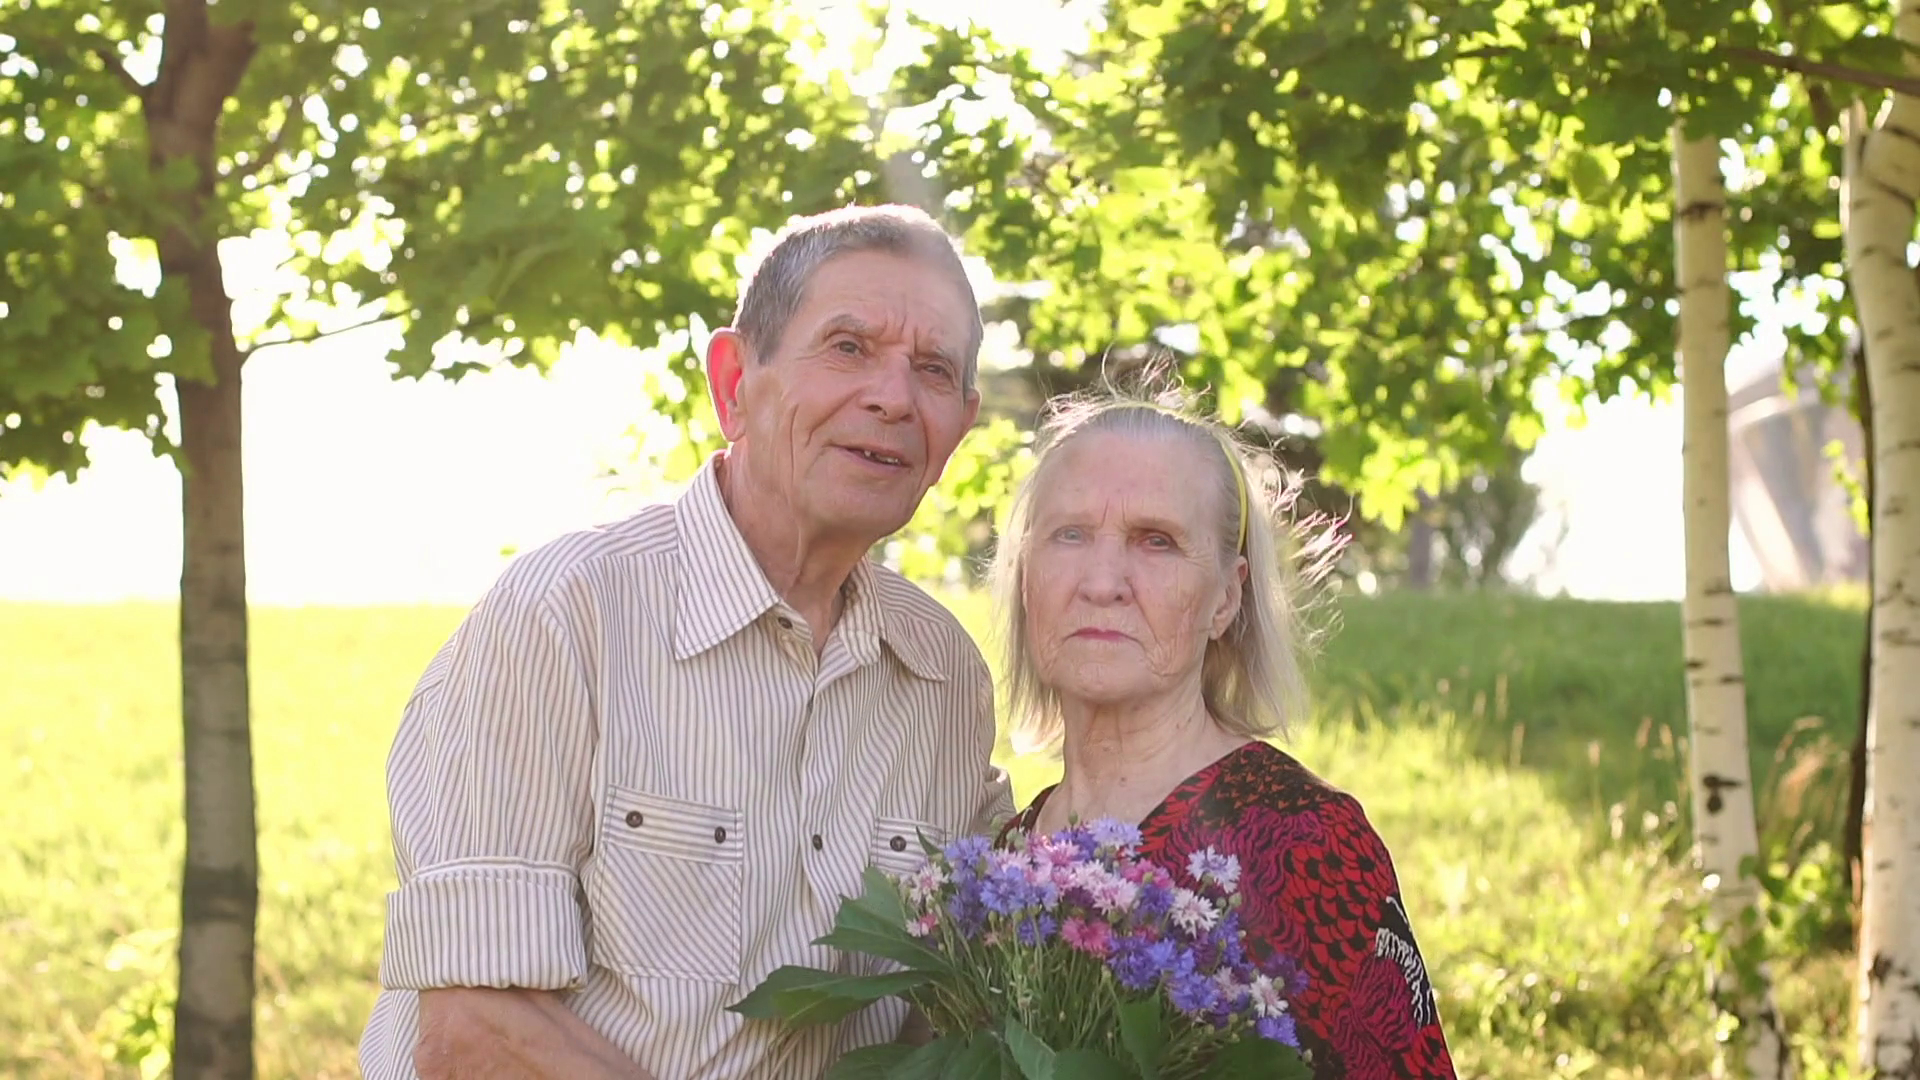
(1154, 900)
(1278, 1028)
(1109, 832)
(1193, 993)
(967, 851)
(1033, 931)
(1139, 961)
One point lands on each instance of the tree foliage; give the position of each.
(1412, 216)
(500, 174)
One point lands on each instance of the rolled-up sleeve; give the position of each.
(490, 783)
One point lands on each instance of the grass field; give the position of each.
(1510, 750)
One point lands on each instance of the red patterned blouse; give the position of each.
(1316, 884)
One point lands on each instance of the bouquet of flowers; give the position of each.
(1062, 956)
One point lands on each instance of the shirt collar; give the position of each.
(722, 588)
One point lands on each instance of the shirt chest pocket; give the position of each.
(664, 887)
(894, 845)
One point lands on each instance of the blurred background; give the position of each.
(1475, 370)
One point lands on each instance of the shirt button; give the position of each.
(720, 836)
(635, 819)
(817, 842)
(898, 843)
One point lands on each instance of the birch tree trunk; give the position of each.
(1882, 167)
(1724, 830)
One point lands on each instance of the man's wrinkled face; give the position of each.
(852, 415)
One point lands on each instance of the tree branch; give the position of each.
(110, 56)
(321, 335)
(1879, 80)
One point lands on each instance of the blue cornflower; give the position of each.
(1278, 1028)
(1193, 993)
(967, 851)
(1155, 899)
(969, 914)
(1138, 962)
(1033, 931)
(1110, 832)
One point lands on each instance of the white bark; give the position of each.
(1724, 830)
(1877, 207)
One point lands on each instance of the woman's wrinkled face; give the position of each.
(1123, 582)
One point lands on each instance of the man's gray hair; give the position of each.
(1251, 678)
(777, 286)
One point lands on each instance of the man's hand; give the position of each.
(474, 1034)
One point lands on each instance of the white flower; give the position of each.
(1266, 997)
(1208, 864)
(1192, 912)
(924, 884)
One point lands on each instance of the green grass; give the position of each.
(1559, 950)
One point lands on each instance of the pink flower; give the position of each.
(1115, 894)
(923, 925)
(1053, 852)
(1094, 937)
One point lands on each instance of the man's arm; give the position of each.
(471, 1034)
(493, 810)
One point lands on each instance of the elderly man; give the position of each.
(650, 762)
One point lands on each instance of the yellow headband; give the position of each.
(1233, 463)
(1239, 486)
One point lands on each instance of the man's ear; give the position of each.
(728, 355)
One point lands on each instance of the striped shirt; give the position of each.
(627, 777)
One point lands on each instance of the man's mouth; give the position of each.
(878, 457)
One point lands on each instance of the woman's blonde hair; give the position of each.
(1251, 676)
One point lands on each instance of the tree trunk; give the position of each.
(201, 65)
(1882, 168)
(1854, 842)
(1724, 829)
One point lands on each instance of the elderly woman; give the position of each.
(1149, 633)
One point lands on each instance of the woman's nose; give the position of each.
(1103, 576)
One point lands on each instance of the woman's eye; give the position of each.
(1159, 542)
(848, 346)
(1068, 535)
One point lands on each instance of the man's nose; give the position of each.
(889, 390)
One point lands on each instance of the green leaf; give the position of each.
(983, 1057)
(1253, 1058)
(880, 894)
(1088, 1065)
(928, 1062)
(1589, 176)
(1143, 1032)
(1034, 1057)
(875, 1062)
(859, 929)
(803, 996)
(974, 1056)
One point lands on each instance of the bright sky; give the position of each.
(365, 490)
